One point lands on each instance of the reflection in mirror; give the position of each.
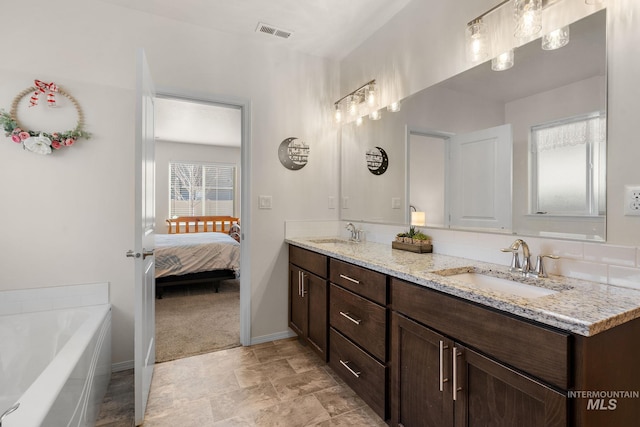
(554, 103)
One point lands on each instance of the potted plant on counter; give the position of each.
(413, 240)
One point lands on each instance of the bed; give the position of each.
(197, 249)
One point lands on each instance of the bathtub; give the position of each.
(56, 364)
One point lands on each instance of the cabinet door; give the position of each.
(421, 393)
(316, 291)
(492, 395)
(298, 304)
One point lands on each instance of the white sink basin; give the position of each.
(498, 284)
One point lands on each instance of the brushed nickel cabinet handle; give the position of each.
(357, 282)
(456, 389)
(302, 283)
(442, 379)
(299, 281)
(348, 316)
(346, 365)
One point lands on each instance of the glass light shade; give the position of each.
(394, 107)
(353, 106)
(477, 40)
(359, 121)
(375, 115)
(418, 219)
(556, 39)
(502, 62)
(528, 17)
(338, 114)
(372, 96)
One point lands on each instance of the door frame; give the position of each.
(244, 105)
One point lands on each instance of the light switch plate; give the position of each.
(264, 202)
(395, 203)
(332, 202)
(345, 202)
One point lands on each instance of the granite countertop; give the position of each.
(582, 307)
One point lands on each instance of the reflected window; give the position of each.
(567, 166)
(201, 189)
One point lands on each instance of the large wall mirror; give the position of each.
(519, 151)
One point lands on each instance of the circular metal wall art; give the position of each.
(377, 161)
(293, 153)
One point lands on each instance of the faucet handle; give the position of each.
(515, 260)
(540, 270)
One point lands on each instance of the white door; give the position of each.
(145, 350)
(479, 179)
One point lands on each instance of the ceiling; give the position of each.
(325, 28)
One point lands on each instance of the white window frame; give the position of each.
(202, 189)
(595, 172)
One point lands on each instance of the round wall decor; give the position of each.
(293, 153)
(38, 141)
(377, 160)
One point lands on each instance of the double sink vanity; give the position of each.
(436, 340)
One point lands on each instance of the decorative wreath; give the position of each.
(39, 141)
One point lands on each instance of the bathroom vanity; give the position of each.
(423, 346)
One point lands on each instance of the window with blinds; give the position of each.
(201, 189)
(568, 166)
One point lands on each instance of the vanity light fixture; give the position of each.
(418, 219)
(528, 17)
(359, 121)
(352, 102)
(556, 39)
(502, 62)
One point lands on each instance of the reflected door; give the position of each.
(479, 179)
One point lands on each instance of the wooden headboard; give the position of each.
(201, 224)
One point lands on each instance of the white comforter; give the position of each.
(178, 254)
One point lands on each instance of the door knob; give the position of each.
(146, 253)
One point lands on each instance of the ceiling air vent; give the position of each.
(274, 31)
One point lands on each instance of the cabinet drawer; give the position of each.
(311, 261)
(370, 284)
(365, 375)
(363, 321)
(538, 350)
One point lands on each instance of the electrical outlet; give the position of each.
(632, 200)
(264, 202)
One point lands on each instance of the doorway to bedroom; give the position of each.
(198, 175)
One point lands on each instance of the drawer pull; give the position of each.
(357, 282)
(346, 365)
(348, 316)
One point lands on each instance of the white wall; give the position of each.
(167, 151)
(71, 214)
(424, 44)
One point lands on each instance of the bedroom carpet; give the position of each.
(193, 319)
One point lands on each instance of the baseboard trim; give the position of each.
(122, 366)
(273, 337)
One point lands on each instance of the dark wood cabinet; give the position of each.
(437, 382)
(308, 296)
(358, 338)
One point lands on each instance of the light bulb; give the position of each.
(359, 121)
(371, 96)
(353, 106)
(338, 114)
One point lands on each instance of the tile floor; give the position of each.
(281, 383)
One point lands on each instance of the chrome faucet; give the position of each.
(354, 232)
(515, 261)
(539, 270)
